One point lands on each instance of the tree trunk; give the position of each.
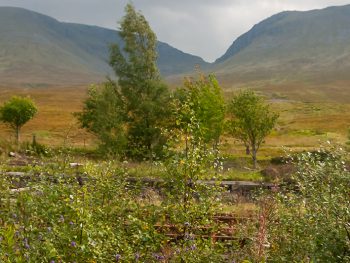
(255, 161)
(17, 135)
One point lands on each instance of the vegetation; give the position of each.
(164, 210)
(205, 99)
(252, 121)
(96, 215)
(313, 223)
(142, 96)
(16, 112)
(103, 115)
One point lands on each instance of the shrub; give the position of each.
(312, 219)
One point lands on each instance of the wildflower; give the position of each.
(26, 245)
(52, 261)
(117, 257)
(71, 223)
(73, 244)
(193, 247)
(158, 257)
(188, 236)
(137, 256)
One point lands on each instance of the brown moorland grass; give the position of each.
(302, 125)
(54, 124)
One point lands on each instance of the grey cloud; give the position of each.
(201, 27)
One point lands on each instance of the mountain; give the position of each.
(38, 50)
(291, 54)
(311, 47)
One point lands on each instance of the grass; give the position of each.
(54, 124)
(236, 175)
(301, 126)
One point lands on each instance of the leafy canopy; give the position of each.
(136, 63)
(252, 120)
(144, 96)
(128, 116)
(18, 111)
(204, 97)
(102, 115)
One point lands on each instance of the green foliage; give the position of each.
(205, 99)
(103, 115)
(145, 97)
(138, 64)
(189, 203)
(251, 121)
(16, 112)
(313, 219)
(64, 220)
(92, 214)
(97, 215)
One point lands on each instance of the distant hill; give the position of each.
(38, 50)
(312, 47)
(299, 55)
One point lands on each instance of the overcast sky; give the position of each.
(201, 27)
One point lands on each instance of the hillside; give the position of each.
(37, 50)
(289, 48)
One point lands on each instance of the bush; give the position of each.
(312, 221)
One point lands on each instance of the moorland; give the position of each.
(64, 199)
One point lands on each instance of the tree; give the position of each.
(252, 121)
(16, 112)
(144, 96)
(205, 98)
(103, 116)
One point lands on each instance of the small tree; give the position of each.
(204, 97)
(16, 112)
(251, 121)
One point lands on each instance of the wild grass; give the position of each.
(301, 126)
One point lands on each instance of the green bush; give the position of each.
(311, 221)
(93, 214)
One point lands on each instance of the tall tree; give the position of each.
(144, 95)
(252, 120)
(16, 112)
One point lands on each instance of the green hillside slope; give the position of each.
(37, 49)
(310, 46)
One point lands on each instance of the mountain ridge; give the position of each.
(33, 45)
(293, 31)
(310, 49)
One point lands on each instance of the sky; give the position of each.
(201, 27)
